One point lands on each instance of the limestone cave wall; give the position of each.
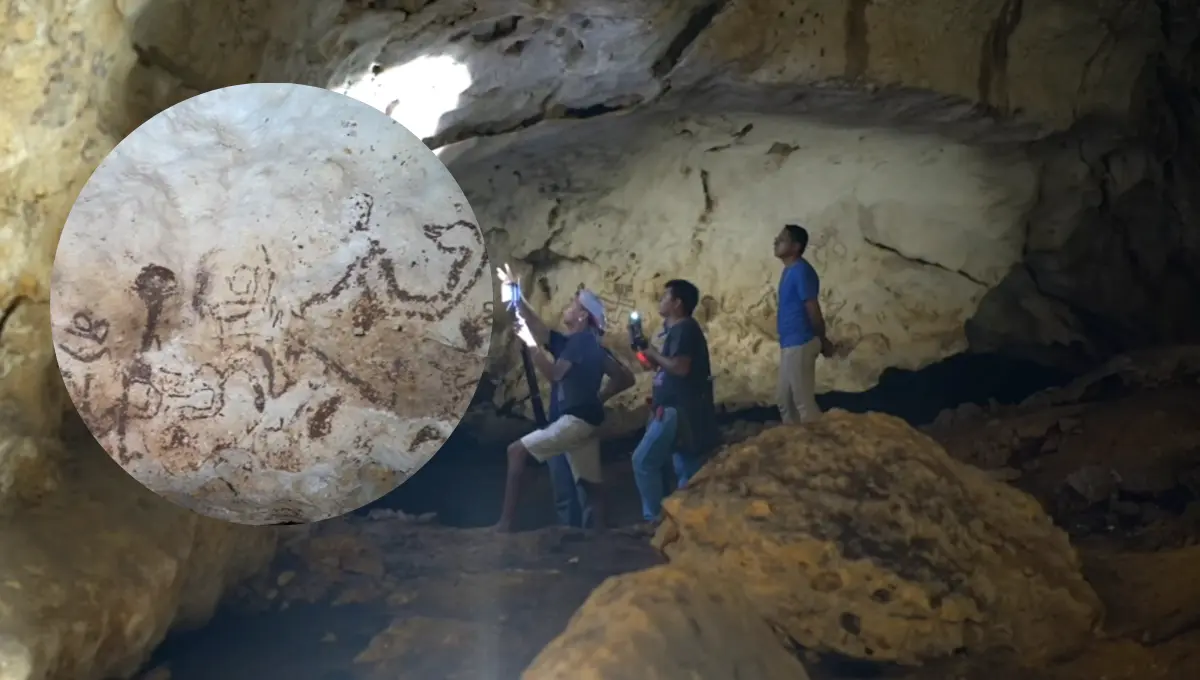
(1004, 177)
(909, 231)
(1000, 176)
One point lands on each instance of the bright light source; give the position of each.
(415, 94)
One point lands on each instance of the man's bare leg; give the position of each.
(595, 496)
(517, 453)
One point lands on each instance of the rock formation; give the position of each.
(1114, 450)
(861, 536)
(854, 535)
(664, 623)
(100, 569)
(271, 303)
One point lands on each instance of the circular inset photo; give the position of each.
(271, 304)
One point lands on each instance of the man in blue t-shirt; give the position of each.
(575, 363)
(801, 328)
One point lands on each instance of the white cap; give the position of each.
(594, 306)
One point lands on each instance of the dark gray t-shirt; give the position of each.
(578, 393)
(691, 396)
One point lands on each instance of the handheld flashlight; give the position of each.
(637, 337)
(514, 295)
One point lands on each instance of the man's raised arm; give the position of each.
(512, 296)
(536, 326)
(620, 378)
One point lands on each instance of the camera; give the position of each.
(637, 337)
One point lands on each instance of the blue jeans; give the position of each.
(686, 467)
(570, 498)
(650, 463)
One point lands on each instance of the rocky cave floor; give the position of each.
(389, 595)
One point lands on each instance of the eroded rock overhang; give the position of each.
(944, 156)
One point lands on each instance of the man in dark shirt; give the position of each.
(571, 501)
(682, 413)
(576, 365)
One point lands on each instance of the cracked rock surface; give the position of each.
(269, 304)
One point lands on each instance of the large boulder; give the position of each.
(94, 575)
(861, 536)
(662, 624)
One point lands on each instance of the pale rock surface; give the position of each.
(660, 624)
(1051, 62)
(861, 536)
(95, 569)
(57, 121)
(270, 303)
(93, 577)
(458, 69)
(530, 59)
(907, 231)
(454, 69)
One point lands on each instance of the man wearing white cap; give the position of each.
(575, 363)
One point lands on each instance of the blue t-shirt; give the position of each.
(578, 393)
(798, 284)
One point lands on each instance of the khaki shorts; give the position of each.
(573, 438)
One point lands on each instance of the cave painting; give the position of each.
(270, 304)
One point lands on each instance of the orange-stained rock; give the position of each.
(662, 624)
(861, 536)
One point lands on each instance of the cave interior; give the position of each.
(1002, 203)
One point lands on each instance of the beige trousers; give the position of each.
(796, 395)
(573, 438)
